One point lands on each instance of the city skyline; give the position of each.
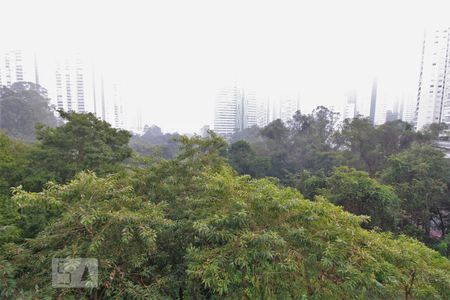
(78, 88)
(170, 73)
(71, 82)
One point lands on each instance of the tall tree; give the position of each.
(421, 178)
(22, 107)
(14, 157)
(243, 159)
(82, 143)
(359, 137)
(189, 228)
(359, 194)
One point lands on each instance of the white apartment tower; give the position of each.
(288, 106)
(235, 110)
(263, 113)
(225, 114)
(70, 85)
(350, 111)
(12, 68)
(433, 99)
(15, 65)
(246, 110)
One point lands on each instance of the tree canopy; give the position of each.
(23, 106)
(304, 209)
(191, 228)
(82, 143)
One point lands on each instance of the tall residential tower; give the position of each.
(433, 98)
(235, 110)
(15, 65)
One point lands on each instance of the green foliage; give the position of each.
(95, 217)
(190, 228)
(313, 142)
(14, 156)
(356, 192)
(154, 143)
(22, 107)
(421, 177)
(244, 160)
(359, 194)
(82, 143)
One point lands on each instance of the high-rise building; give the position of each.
(15, 65)
(287, 107)
(433, 98)
(263, 113)
(225, 114)
(409, 111)
(235, 110)
(246, 110)
(373, 101)
(350, 111)
(118, 111)
(70, 79)
(78, 85)
(392, 116)
(381, 110)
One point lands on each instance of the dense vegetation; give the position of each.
(22, 107)
(153, 142)
(390, 172)
(327, 213)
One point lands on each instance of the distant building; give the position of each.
(235, 110)
(409, 111)
(70, 79)
(433, 98)
(392, 116)
(288, 106)
(381, 110)
(71, 82)
(15, 65)
(225, 114)
(373, 101)
(246, 110)
(350, 110)
(263, 113)
(76, 85)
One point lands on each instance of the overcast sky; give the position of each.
(172, 56)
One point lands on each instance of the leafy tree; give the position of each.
(359, 194)
(190, 228)
(356, 192)
(359, 137)
(244, 161)
(14, 157)
(22, 107)
(82, 143)
(421, 177)
(276, 131)
(370, 146)
(96, 218)
(309, 184)
(251, 135)
(154, 143)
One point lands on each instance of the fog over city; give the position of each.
(205, 149)
(171, 57)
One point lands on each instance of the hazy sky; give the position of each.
(172, 56)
